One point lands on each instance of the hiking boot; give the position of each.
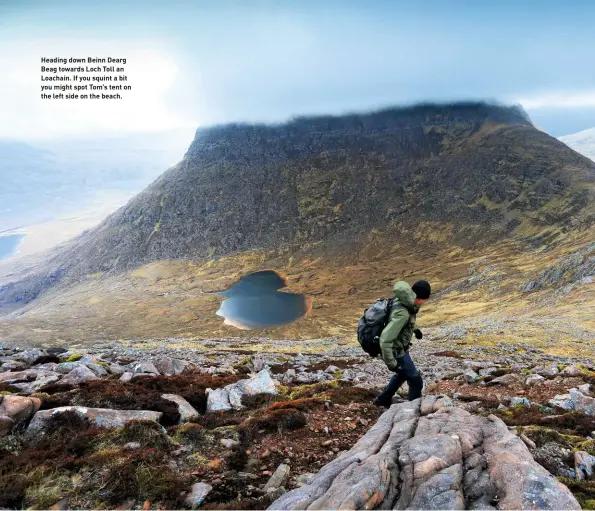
(379, 401)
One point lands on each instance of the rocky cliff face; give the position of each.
(478, 172)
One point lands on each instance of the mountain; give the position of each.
(341, 205)
(582, 142)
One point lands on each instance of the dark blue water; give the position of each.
(255, 302)
(9, 244)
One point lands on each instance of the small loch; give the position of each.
(256, 302)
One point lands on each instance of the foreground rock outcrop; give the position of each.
(429, 454)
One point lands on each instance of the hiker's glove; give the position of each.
(418, 334)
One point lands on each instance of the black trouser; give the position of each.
(407, 373)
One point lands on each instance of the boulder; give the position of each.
(582, 403)
(331, 369)
(549, 370)
(533, 379)
(79, 375)
(126, 376)
(19, 408)
(571, 370)
(18, 376)
(100, 417)
(66, 367)
(519, 401)
(13, 365)
(584, 465)
(562, 401)
(470, 376)
(116, 369)
(231, 395)
(30, 356)
(38, 384)
(278, 478)
(144, 367)
(425, 455)
(487, 371)
(218, 400)
(507, 379)
(99, 370)
(198, 494)
(187, 411)
(173, 366)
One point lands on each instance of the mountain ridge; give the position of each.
(473, 172)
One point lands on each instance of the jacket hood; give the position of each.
(403, 292)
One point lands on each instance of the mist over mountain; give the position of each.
(582, 142)
(43, 180)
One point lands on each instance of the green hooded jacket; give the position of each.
(396, 336)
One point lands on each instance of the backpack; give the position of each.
(371, 324)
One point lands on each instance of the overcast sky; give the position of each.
(194, 63)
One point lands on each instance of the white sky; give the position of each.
(151, 72)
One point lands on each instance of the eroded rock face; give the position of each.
(428, 454)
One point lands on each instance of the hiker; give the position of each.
(395, 340)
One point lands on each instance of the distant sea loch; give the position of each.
(9, 244)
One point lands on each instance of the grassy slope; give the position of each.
(477, 293)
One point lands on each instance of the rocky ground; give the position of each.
(236, 423)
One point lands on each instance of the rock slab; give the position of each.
(429, 454)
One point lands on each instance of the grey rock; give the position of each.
(30, 356)
(229, 443)
(571, 370)
(534, 379)
(506, 379)
(549, 370)
(66, 367)
(470, 375)
(132, 446)
(582, 403)
(278, 478)
(98, 369)
(563, 401)
(14, 365)
(38, 384)
(231, 396)
(331, 369)
(116, 369)
(144, 367)
(126, 376)
(172, 366)
(79, 375)
(198, 494)
(187, 411)
(519, 401)
(18, 376)
(584, 465)
(585, 388)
